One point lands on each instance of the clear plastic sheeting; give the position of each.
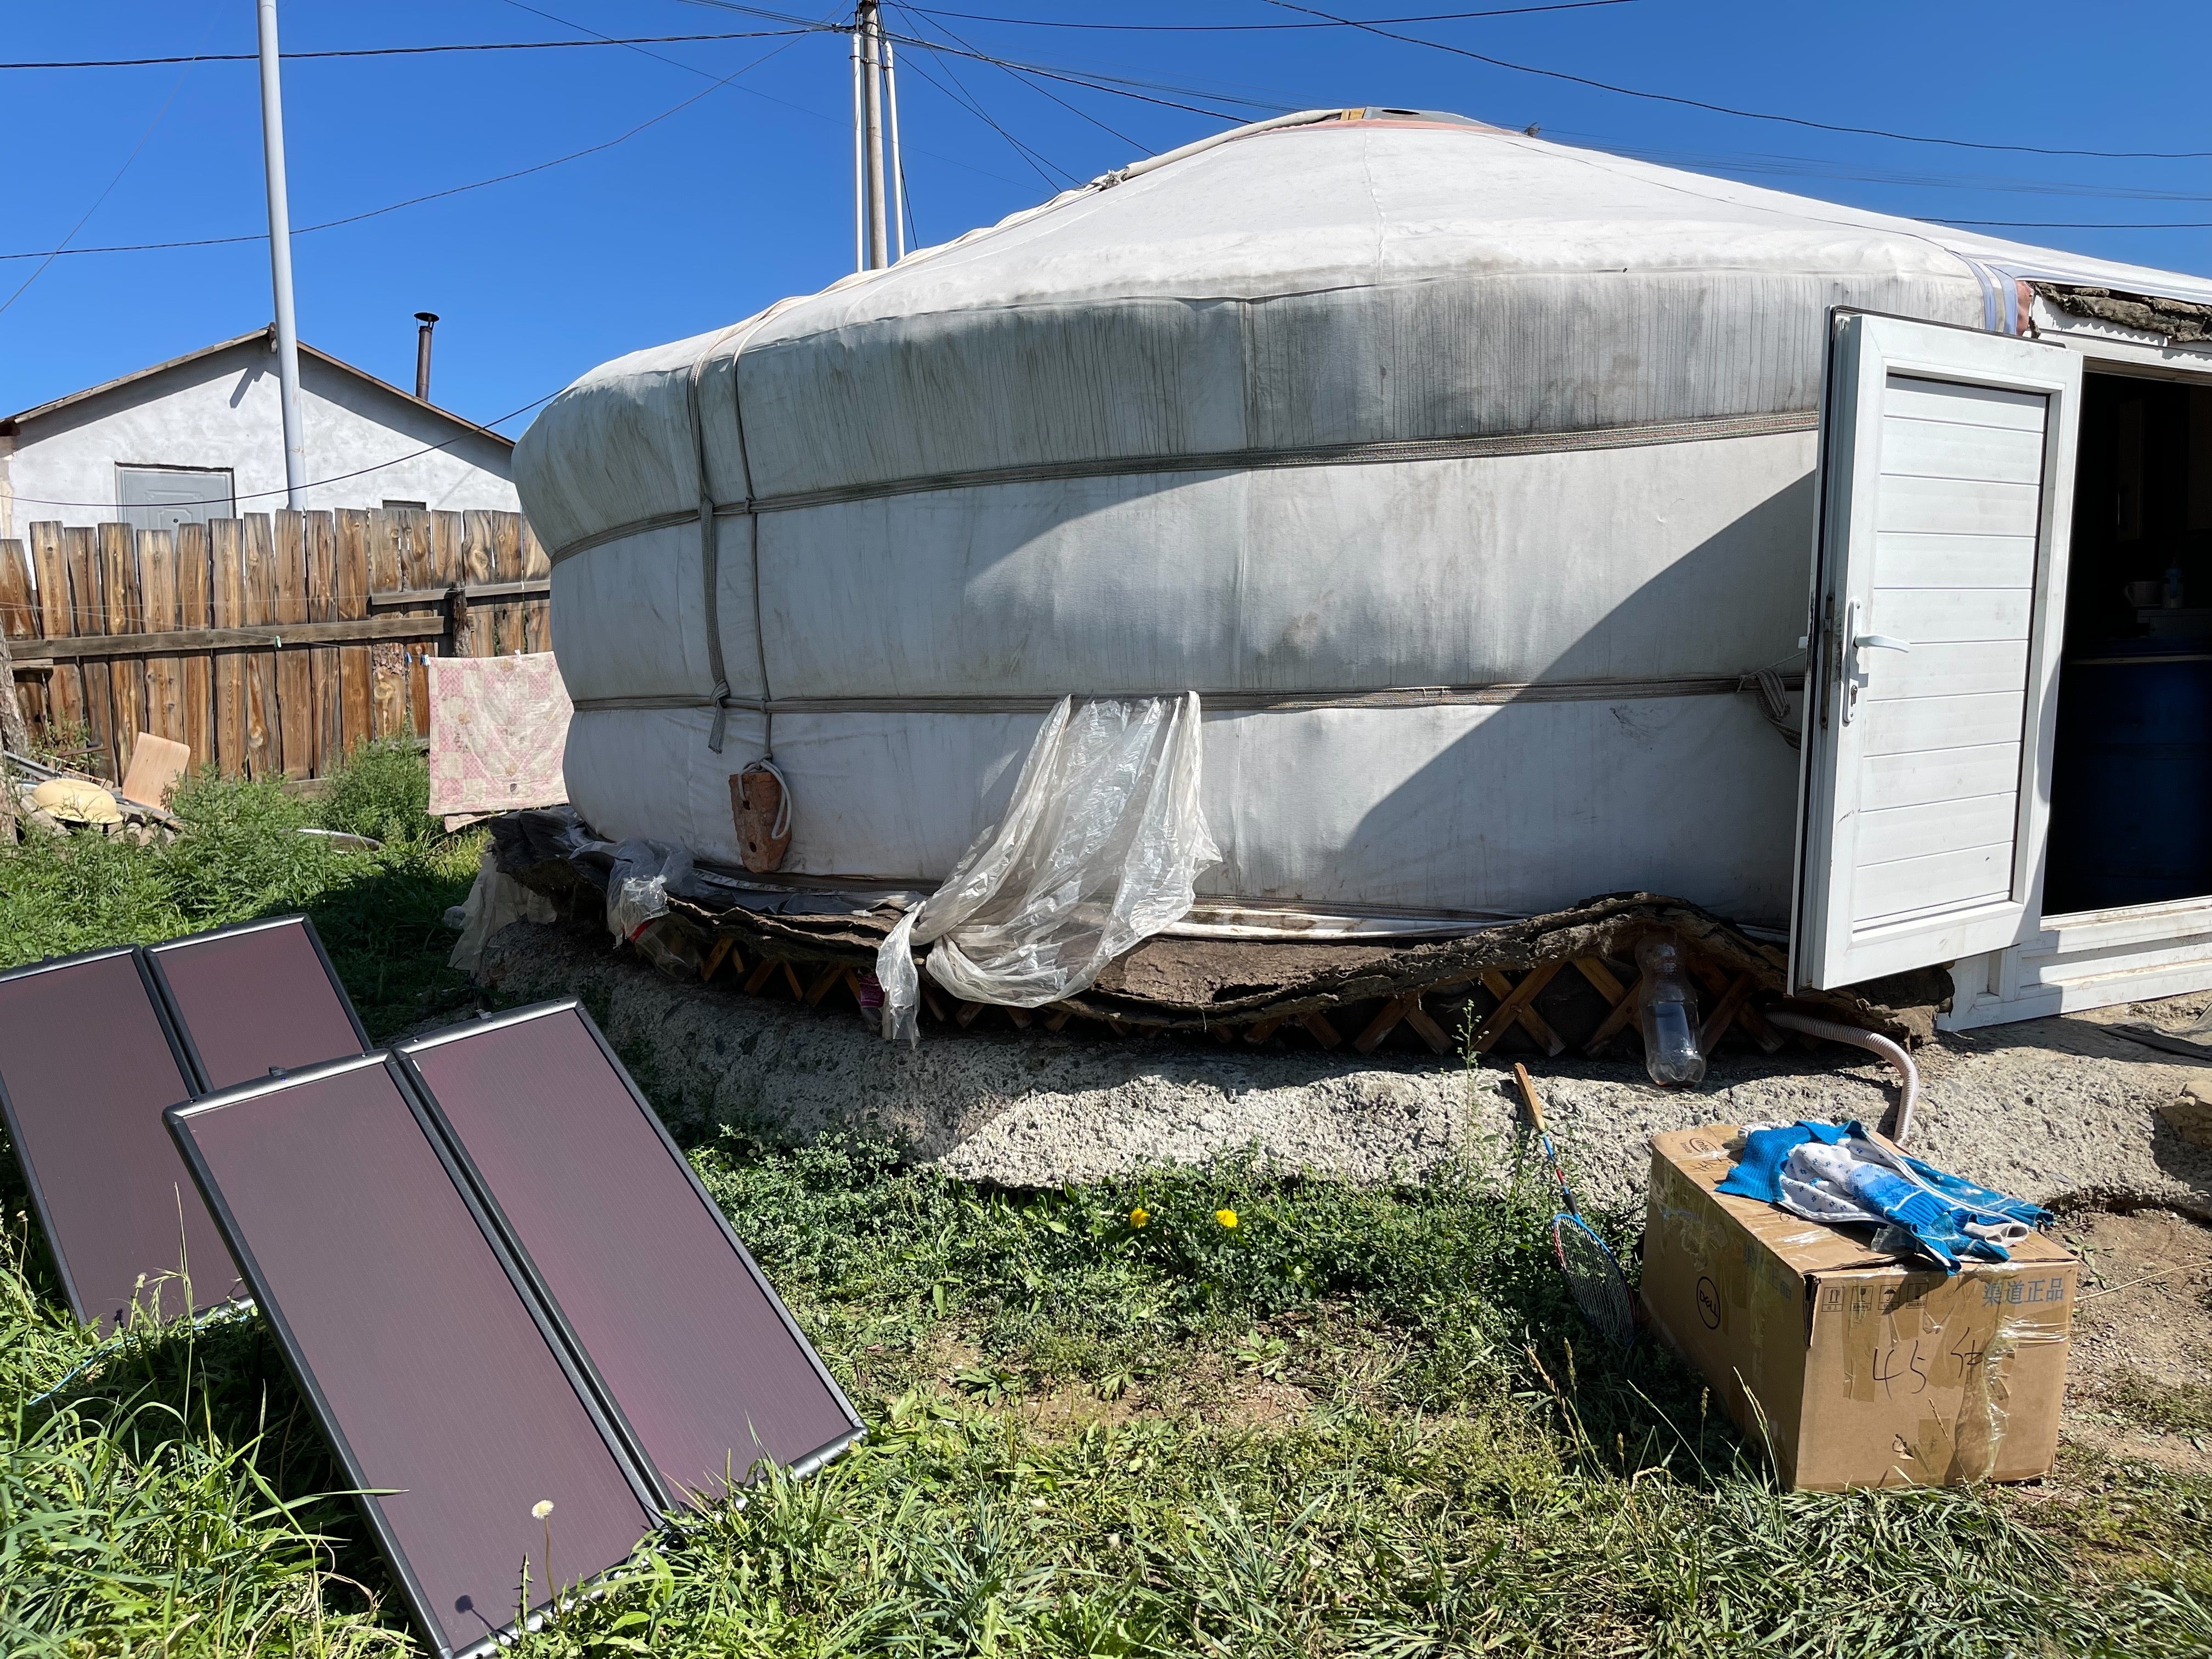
(1100, 846)
(638, 886)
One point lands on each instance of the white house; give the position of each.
(201, 437)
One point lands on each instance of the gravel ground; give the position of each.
(2063, 1111)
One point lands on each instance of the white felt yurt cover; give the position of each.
(1463, 474)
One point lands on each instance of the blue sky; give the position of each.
(746, 194)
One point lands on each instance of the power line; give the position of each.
(1046, 92)
(406, 51)
(415, 201)
(1749, 114)
(1037, 161)
(23, 286)
(338, 478)
(2062, 224)
(1264, 28)
(1119, 85)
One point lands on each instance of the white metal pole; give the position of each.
(871, 58)
(898, 176)
(280, 263)
(860, 175)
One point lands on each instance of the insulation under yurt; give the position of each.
(1464, 476)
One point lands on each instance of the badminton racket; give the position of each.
(1592, 1272)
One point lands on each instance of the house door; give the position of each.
(1947, 460)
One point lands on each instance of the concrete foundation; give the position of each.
(2059, 1110)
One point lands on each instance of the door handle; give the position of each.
(1856, 674)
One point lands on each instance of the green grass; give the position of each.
(238, 856)
(1358, 1422)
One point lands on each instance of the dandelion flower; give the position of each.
(1140, 1215)
(541, 1509)
(1226, 1218)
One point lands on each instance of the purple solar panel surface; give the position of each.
(88, 1071)
(255, 997)
(434, 1378)
(689, 1340)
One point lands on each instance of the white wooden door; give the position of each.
(1939, 604)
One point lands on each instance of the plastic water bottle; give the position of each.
(1667, 1009)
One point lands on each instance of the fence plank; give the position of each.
(295, 693)
(50, 571)
(322, 559)
(195, 609)
(81, 553)
(389, 715)
(537, 614)
(122, 611)
(356, 697)
(506, 567)
(418, 569)
(19, 620)
(477, 563)
(261, 711)
(19, 610)
(227, 551)
(165, 674)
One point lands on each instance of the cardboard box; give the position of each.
(1854, 1369)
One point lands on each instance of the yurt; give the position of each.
(1495, 498)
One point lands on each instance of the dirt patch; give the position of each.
(2139, 1383)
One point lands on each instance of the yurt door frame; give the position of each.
(1939, 593)
(2095, 959)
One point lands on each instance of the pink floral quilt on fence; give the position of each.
(497, 727)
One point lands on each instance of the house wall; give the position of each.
(224, 410)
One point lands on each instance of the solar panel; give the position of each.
(87, 1061)
(255, 996)
(684, 1335)
(447, 1392)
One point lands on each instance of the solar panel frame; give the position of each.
(203, 1079)
(559, 1341)
(187, 1075)
(672, 1500)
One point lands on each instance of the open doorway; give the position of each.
(2132, 776)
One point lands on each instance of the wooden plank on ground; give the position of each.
(320, 556)
(227, 555)
(81, 552)
(356, 692)
(165, 675)
(195, 609)
(262, 743)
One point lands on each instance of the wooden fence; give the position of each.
(269, 644)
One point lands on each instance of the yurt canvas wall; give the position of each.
(1464, 476)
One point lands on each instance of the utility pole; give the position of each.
(280, 263)
(877, 216)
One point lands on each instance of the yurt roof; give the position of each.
(1139, 288)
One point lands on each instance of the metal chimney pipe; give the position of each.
(429, 320)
